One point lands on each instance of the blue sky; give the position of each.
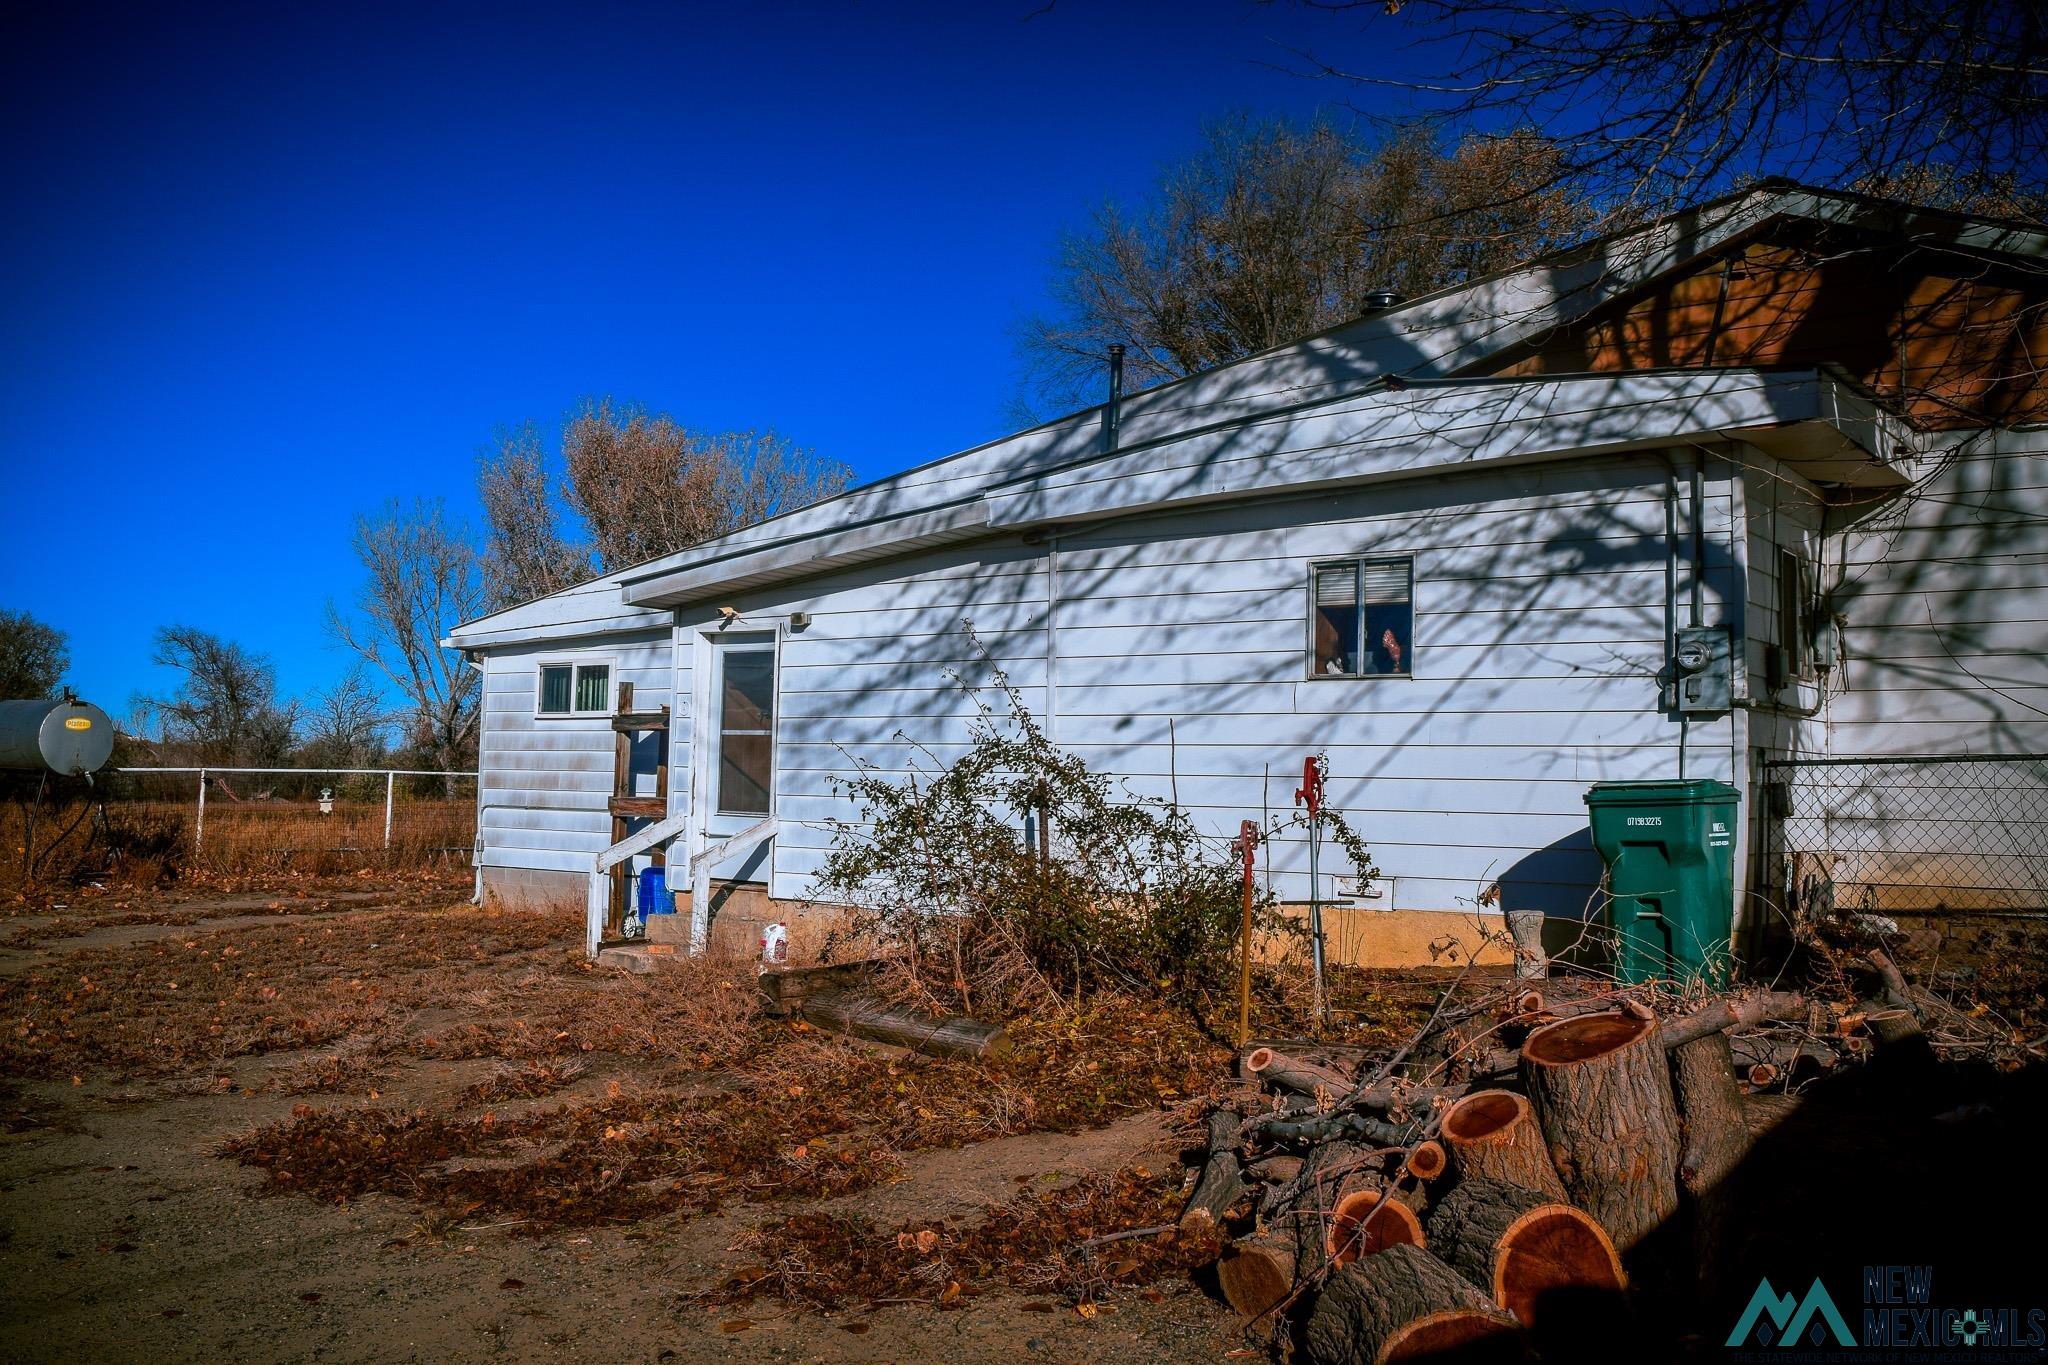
(270, 268)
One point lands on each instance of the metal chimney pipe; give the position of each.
(1112, 412)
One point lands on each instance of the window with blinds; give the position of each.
(574, 690)
(1362, 621)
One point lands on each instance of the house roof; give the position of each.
(1263, 424)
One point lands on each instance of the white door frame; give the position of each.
(707, 645)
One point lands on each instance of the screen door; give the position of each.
(743, 715)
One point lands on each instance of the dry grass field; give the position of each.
(284, 1116)
(149, 840)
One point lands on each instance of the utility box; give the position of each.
(1703, 670)
(1669, 848)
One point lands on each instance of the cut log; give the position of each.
(865, 1017)
(1519, 1247)
(1283, 1072)
(1307, 1209)
(784, 989)
(1763, 1075)
(1400, 1100)
(1762, 1113)
(1312, 1130)
(1222, 1182)
(1367, 1221)
(1724, 1014)
(1275, 1170)
(1406, 1305)
(1905, 1058)
(1897, 992)
(1601, 1088)
(1426, 1160)
(1786, 1055)
(1493, 1135)
(1257, 1274)
(1715, 1134)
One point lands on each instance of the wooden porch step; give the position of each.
(639, 807)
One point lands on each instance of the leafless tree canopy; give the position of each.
(1276, 230)
(226, 710)
(642, 484)
(526, 555)
(345, 725)
(1668, 101)
(646, 485)
(422, 580)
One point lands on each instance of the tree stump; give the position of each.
(1405, 1305)
(1716, 1138)
(1257, 1273)
(1601, 1088)
(1493, 1135)
(1519, 1246)
(1367, 1221)
(1331, 1171)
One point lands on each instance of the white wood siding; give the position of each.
(546, 780)
(1180, 658)
(1945, 599)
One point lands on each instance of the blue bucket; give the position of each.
(655, 897)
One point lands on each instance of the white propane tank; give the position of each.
(774, 944)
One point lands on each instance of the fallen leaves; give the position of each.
(1034, 1241)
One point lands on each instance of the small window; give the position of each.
(575, 689)
(1362, 621)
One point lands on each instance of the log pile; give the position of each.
(1562, 1151)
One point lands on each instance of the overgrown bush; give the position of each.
(1017, 877)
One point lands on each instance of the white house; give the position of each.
(1456, 545)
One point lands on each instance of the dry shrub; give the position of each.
(1017, 878)
(355, 1068)
(528, 1081)
(1102, 894)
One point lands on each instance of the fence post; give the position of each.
(390, 778)
(199, 826)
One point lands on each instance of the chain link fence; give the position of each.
(1927, 835)
(238, 820)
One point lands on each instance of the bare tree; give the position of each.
(423, 580)
(645, 485)
(1275, 230)
(33, 656)
(345, 725)
(226, 710)
(526, 555)
(1662, 103)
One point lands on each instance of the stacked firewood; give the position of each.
(1551, 1149)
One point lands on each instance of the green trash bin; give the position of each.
(1670, 854)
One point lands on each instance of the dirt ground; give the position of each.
(172, 1187)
